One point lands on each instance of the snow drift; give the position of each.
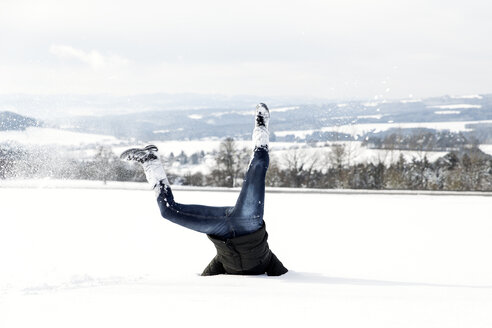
(79, 257)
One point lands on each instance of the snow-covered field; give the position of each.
(82, 257)
(360, 129)
(193, 146)
(48, 136)
(85, 146)
(354, 153)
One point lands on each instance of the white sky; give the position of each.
(331, 49)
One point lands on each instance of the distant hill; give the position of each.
(154, 117)
(12, 121)
(219, 122)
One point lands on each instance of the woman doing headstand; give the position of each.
(238, 232)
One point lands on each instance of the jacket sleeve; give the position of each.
(214, 268)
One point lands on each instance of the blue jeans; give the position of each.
(224, 222)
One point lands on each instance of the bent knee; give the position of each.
(164, 206)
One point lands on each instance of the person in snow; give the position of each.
(238, 232)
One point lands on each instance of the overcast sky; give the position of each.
(343, 49)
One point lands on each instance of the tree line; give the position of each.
(466, 169)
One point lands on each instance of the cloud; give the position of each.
(93, 58)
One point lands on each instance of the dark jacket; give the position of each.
(247, 255)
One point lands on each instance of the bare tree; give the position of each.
(300, 168)
(337, 157)
(390, 144)
(231, 164)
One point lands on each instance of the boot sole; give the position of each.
(126, 153)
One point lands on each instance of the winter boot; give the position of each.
(261, 136)
(154, 171)
(140, 155)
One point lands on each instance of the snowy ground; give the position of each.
(81, 257)
(48, 136)
(360, 129)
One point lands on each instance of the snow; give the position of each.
(252, 112)
(467, 97)
(261, 137)
(456, 106)
(193, 146)
(246, 113)
(360, 129)
(371, 104)
(284, 109)
(486, 148)
(354, 153)
(48, 136)
(78, 257)
(279, 150)
(447, 112)
(377, 117)
(296, 133)
(160, 131)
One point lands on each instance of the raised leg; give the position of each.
(206, 219)
(247, 215)
(226, 222)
